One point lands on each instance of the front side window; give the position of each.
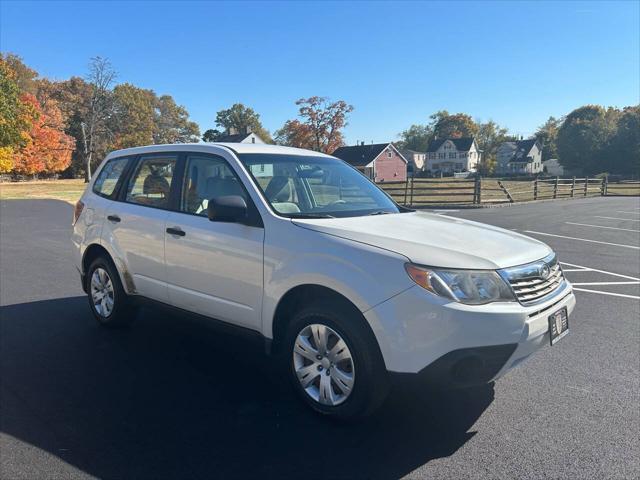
(108, 177)
(151, 183)
(301, 186)
(207, 177)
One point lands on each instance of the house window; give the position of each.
(253, 139)
(442, 156)
(462, 154)
(432, 155)
(389, 154)
(452, 154)
(459, 166)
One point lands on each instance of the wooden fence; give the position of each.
(425, 192)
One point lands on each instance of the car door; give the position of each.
(213, 268)
(135, 224)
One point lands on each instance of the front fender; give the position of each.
(364, 274)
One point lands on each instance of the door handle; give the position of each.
(176, 231)
(113, 218)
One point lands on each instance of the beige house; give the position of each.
(417, 160)
(452, 155)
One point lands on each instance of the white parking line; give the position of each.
(607, 293)
(599, 271)
(617, 218)
(633, 213)
(444, 212)
(604, 283)
(583, 239)
(602, 226)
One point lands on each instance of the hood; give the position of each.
(435, 240)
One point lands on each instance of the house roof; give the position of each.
(462, 144)
(360, 155)
(235, 138)
(406, 153)
(522, 149)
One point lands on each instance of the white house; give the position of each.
(522, 157)
(450, 155)
(234, 137)
(416, 159)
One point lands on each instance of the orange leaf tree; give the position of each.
(321, 125)
(47, 148)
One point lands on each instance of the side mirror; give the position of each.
(228, 208)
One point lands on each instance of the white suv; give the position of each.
(344, 285)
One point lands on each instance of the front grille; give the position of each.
(528, 282)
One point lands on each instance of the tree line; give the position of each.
(591, 139)
(68, 126)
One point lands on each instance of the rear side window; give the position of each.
(108, 177)
(151, 184)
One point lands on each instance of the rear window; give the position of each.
(108, 177)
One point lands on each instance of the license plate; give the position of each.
(558, 325)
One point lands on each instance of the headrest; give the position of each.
(154, 184)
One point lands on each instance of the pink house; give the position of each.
(382, 162)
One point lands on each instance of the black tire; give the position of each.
(371, 382)
(122, 312)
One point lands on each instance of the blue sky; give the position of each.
(513, 62)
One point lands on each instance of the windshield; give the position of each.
(301, 186)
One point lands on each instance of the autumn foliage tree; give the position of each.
(296, 134)
(48, 149)
(15, 116)
(320, 127)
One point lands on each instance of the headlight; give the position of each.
(473, 287)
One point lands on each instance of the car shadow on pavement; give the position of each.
(173, 398)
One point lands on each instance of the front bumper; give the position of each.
(460, 345)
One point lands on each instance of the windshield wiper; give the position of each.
(311, 215)
(379, 212)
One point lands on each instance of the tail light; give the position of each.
(77, 211)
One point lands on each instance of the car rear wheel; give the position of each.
(334, 364)
(108, 301)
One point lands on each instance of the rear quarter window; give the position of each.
(108, 177)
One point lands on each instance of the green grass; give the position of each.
(65, 190)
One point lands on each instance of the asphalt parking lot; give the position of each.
(173, 398)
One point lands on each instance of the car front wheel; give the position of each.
(334, 364)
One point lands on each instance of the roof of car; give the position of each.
(240, 148)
